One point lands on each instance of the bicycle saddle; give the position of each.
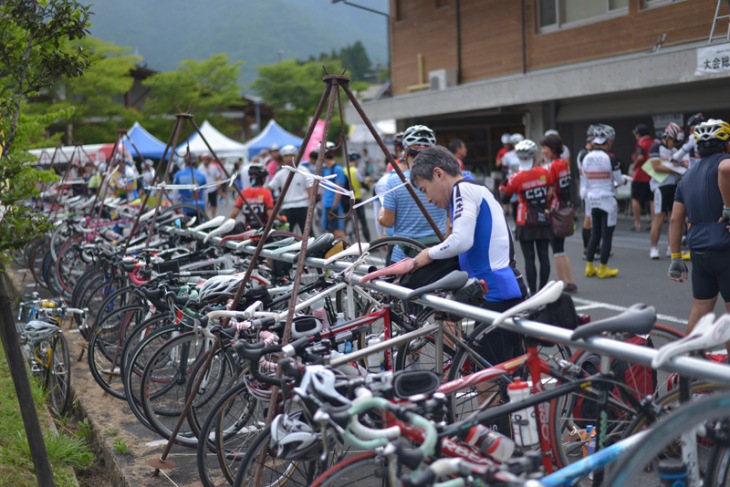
(292, 247)
(707, 334)
(639, 319)
(320, 245)
(402, 267)
(351, 251)
(281, 243)
(217, 221)
(226, 227)
(452, 280)
(239, 236)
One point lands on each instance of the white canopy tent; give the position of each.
(222, 145)
(360, 138)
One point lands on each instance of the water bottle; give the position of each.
(341, 346)
(491, 443)
(591, 433)
(672, 473)
(347, 347)
(320, 313)
(524, 424)
(588, 440)
(375, 361)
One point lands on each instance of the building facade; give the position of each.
(475, 69)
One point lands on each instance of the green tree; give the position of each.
(35, 53)
(357, 61)
(203, 88)
(293, 90)
(95, 96)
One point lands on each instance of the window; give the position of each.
(556, 14)
(658, 3)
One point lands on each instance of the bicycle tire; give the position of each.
(36, 255)
(381, 250)
(223, 431)
(664, 433)
(69, 265)
(105, 345)
(360, 469)
(58, 375)
(462, 404)
(276, 472)
(136, 353)
(164, 382)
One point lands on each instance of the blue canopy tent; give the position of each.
(272, 134)
(147, 145)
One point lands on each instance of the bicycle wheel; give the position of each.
(275, 472)
(493, 393)
(69, 266)
(143, 342)
(382, 250)
(708, 417)
(364, 469)
(40, 247)
(232, 424)
(222, 374)
(164, 382)
(105, 346)
(420, 353)
(58, 374)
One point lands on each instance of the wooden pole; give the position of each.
(18, 371)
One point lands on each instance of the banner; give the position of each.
(713, 60)
(315, 140)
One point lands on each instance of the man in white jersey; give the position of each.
(601, 173)
(480, 237)
(296, 200)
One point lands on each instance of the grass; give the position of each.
(120, 446)
(16, 464)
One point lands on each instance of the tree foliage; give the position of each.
(203, 88)
(35, 52)
(96, 96)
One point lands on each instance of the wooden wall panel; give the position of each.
(491, 36)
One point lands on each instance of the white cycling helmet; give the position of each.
(505, 138)
(712, 129)
(419, 137)
(609, 131)
(218, 287)
(515, 139)
(294, 439)
(601, 134)
(551, 132)
(288, 150)
(38, 330)
(526, 149)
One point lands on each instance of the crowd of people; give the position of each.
(683, 180)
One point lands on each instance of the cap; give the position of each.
(274, 147)
(552, 132)
(641, 129)
(505, 138)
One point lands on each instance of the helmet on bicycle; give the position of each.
(419, 137)
(712, 129)
(321, 382)
(218, 287)
(38, 330)
(526, 149)
(673, 131)
(294, 439)
(288, 150)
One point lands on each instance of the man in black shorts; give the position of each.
(703, 196)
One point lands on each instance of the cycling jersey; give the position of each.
(531, 188)
(664, 154)
(601, 173)
(260, 200)
(481, 239)
(699, 193)
(560, 177)
(187, 196)
(296, 196)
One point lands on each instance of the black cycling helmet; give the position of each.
(695, 119)
(256, 171)
(641, 129)
(353, 156)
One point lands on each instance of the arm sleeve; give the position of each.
(462, 228)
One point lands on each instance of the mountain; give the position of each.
(165, 32)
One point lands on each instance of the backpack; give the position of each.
(641, 379)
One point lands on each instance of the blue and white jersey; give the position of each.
(481, 239)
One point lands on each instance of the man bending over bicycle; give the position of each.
(480, 237)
